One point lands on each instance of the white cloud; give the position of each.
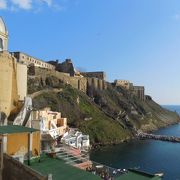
(23, 4)
(3, 4)
(34, 5)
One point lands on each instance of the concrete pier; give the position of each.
(142, 135)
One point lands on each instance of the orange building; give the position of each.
(20, 142)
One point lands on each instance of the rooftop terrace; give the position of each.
(10, 129)
(60, 170)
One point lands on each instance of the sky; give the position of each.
(135, 40)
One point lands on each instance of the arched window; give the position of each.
(1, 44)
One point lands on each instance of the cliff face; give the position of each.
(110, 116)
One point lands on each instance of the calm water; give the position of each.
(149, 155)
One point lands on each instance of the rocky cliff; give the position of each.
(109, 116)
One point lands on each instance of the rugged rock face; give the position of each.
(110, 116)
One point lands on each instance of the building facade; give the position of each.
(3, 36)
(20, 142)
(49, 122)
(13, 80)
(13, 76)
(31, 61)
(124, 83)
(139, 91)
(98, 74)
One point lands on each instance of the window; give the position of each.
(1, 44)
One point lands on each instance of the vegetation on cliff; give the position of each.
(110, 116)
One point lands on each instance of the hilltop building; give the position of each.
(65, 67)
(31, 61)
(138, 91)
(99, 75)
(124, 83)
(3, 36)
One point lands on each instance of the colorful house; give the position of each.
(20, 142)
(49, 122)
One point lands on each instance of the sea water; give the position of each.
(147, 155)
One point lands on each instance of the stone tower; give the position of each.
(3, 36)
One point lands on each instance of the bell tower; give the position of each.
(3, 36)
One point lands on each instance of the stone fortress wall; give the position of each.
(78, 82)
(98, 74)
(124, 83)
(138, 91)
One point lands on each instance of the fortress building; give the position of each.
(31, 61)
(138, 91)
(13, 77)
(3, 36)
(100, 75)
(124, 83)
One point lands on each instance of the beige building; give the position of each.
(13, 76)
(21, 81)
(49, 122)
(29, 60)
(3, 36)
(124, 83)
(13, 80)
(138, 91)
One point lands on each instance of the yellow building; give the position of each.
(13, 80)
(20, 142)
(13, 77)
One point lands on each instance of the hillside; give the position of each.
(109, 117)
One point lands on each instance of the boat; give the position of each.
(159, 174)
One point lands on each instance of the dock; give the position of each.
(174, 139)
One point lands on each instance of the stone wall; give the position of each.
(13, 82)
(14, 170)
(77, 82)
(100, 75)
(139, 91)
(66, 66)
(124, 83)
(8, 83)
(94, 84)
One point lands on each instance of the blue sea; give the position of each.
(147, 155)
(175, 108)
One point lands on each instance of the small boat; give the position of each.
(159, 174)
(99, 166)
